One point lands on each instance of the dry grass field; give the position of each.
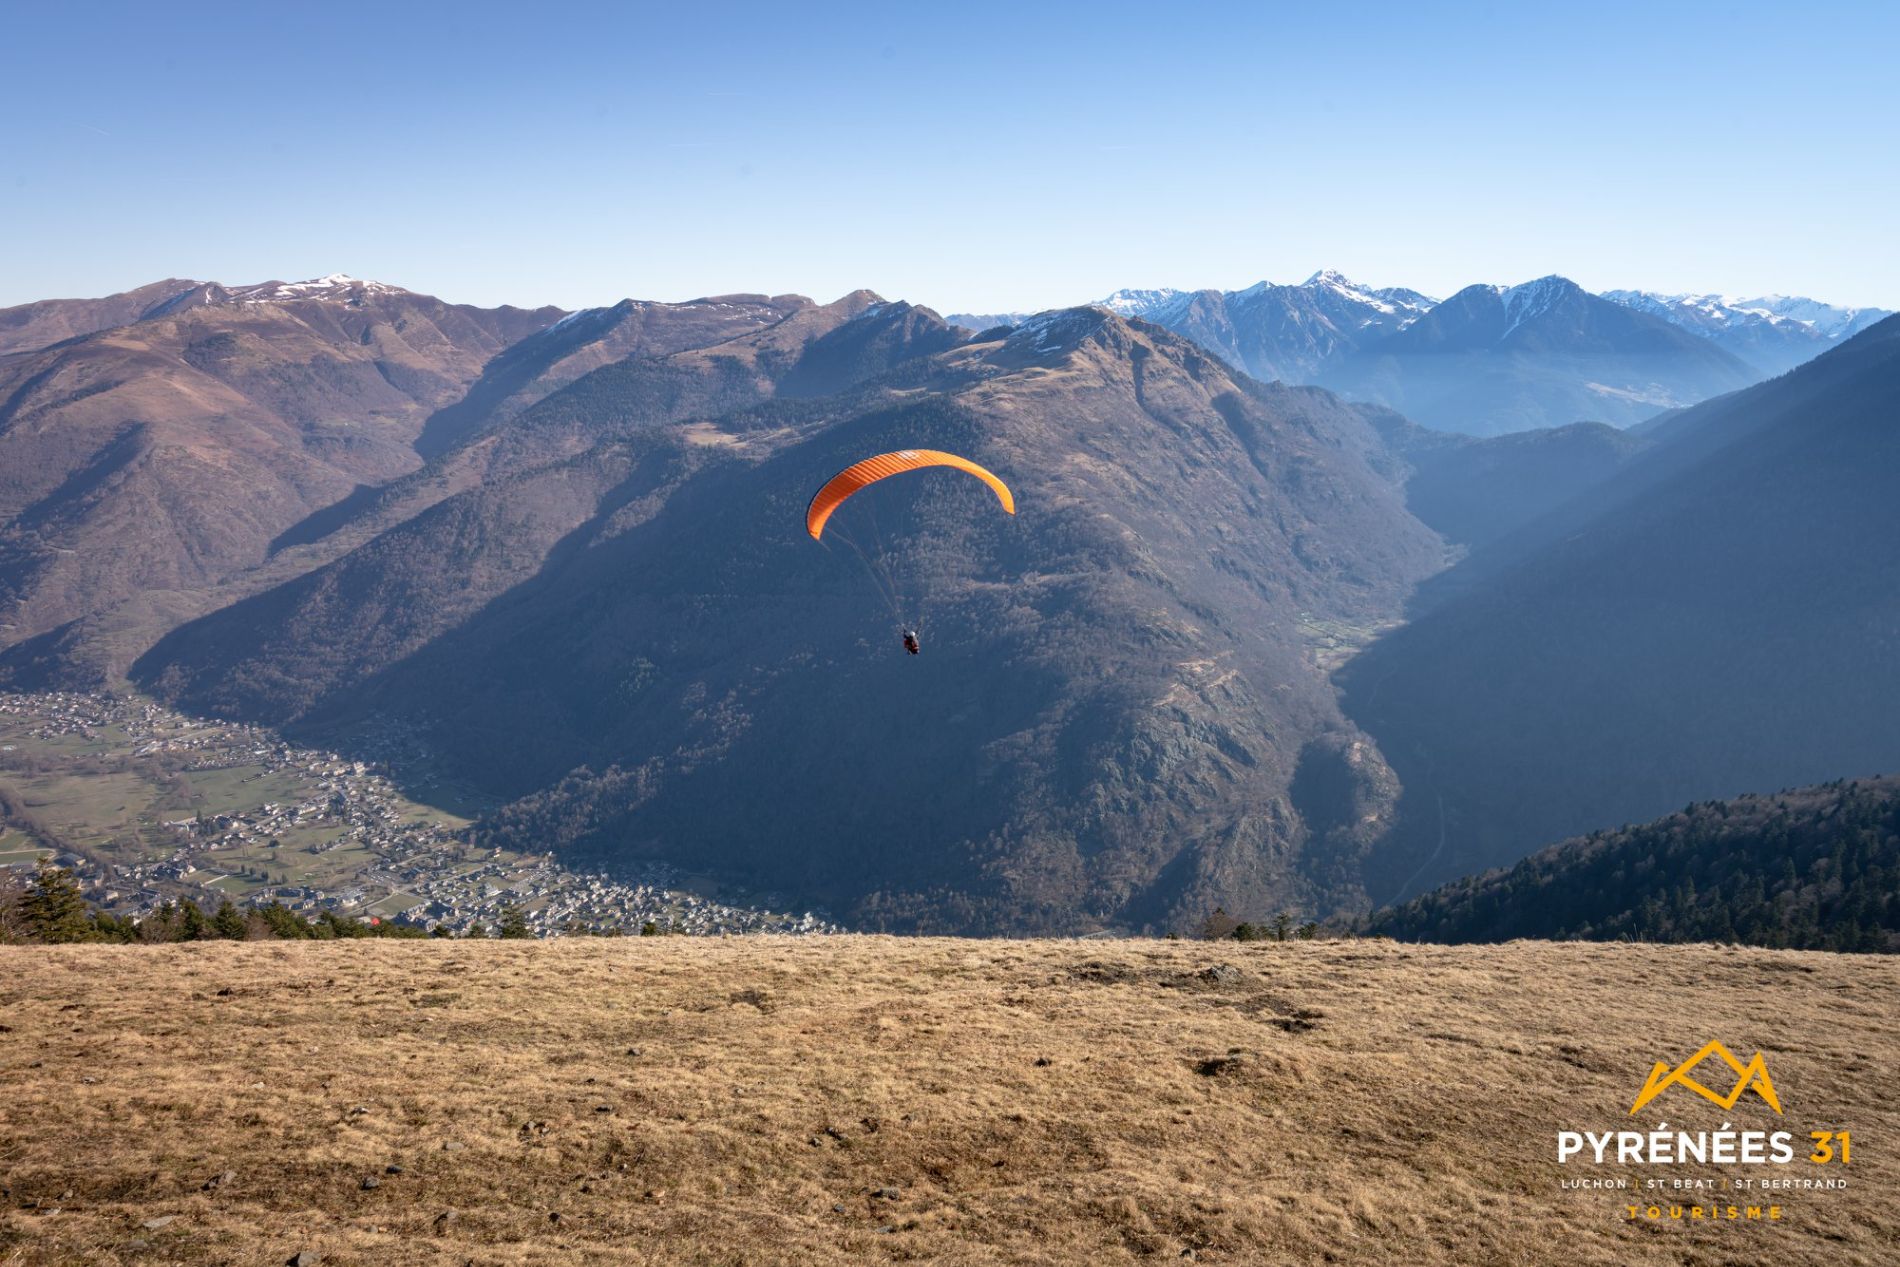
(865, 1099)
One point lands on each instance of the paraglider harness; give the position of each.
(910, 642)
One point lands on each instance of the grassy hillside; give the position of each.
(763, 1100)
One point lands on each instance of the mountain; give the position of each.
(1270, 332)
(1829, 320)
(1120, 718)
(1774, 333)
(49, 321)
(1138, 303)
(1477, 490)
(1285, 333)
(1813, 868)
(1123, 303)
(145, 463)
(486, 514)
(980, 322)
(1721, 616)
(1494, 359)
(566, 549)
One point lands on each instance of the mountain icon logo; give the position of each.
(1753, 1074)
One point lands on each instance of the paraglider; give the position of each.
(842, 486)
(871, 470)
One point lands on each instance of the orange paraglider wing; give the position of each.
(871, 470)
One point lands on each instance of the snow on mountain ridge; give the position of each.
(1059, 330)
(1134, 302)
(1529, 300)
(1826, 319)
(332, 286)
(1154, 302)
(1719, 311)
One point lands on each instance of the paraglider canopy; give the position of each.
(856, 476)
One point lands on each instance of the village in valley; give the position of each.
(146, 805)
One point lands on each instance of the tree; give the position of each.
(55, 912)
(13, 925)
(117, 928)
(284, 923)
(1219, 926)
(475, 929)
(191, 921)
(161, 925)
(228, 923)
(514, 924)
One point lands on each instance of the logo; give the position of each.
(1753, 1074)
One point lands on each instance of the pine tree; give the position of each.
(228, 923)
(13, 888)
(514, 924)
(284, 922)
(55, 912)
(191, 921)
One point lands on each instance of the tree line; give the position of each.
(1813, 868)
(49, 909)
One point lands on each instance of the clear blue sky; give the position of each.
(970, 156)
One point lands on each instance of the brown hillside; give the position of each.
(767, 1100)
(48, 321)
(142, 464)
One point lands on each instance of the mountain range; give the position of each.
(1720, 616)
(1120, 718)
(566, 549)
(161, 444)
(1496, 359)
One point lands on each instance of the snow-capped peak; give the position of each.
(332, 286)
(1824, 319)
(1137, 302)
(584, 316)
(1057, 331)
(1715, 312)
(1388, 303)
(1534, 298)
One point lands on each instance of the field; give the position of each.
(91, 795)
(865, 1099)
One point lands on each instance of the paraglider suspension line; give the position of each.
(880, 576)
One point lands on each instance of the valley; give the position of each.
(148, 806)
(1214, 660)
